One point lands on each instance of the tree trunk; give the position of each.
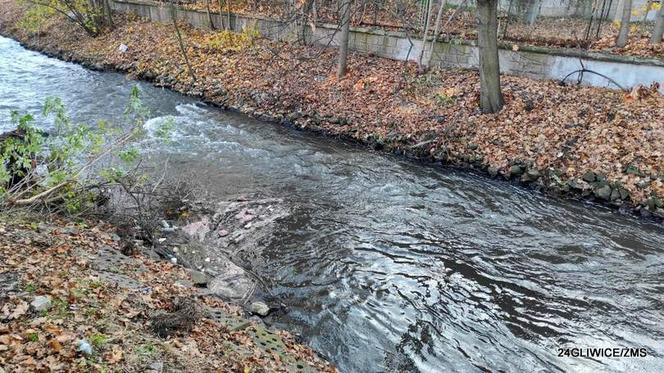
(109, 13)
(209, 15)
(228, 15)
(436, 30)
(307, 8)
(645, 15)
(221, 15)
(425, 33)
(658, 32)
(345, 32)
(623, 34)
(183, 50)
(491, 98)
(533, 11)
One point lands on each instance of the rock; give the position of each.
(577, 184)
(440, 119)
(624, 193)
(653, 203)
(233, 283)
(197, 230)
(615, 195)
(41, 303)
(472, 146)
(259, 308)
(659, 213)
(123, 48)
(41, 227)
(603, 192)
(199, 279)
(516, 170)
(493, 171)
(84, 347)
(531, 175)
(72, 231)
(589, 177)
(164, 224)
(156, 367)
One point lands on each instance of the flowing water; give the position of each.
(386, 265)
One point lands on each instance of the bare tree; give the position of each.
(183, 50)
(228, 15)
(491, 97)
(345, 33)
(209, 15)
(425, 33)
(533, 11)
(623, 34)
(91, 15)
(658, 32)
(436, 29)
(647, 11)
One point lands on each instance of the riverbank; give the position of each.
(70, 300)
(585, 142)
(547, 32)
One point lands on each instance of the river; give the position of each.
(387, 265)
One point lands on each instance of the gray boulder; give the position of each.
(41, 303)
(259, 308)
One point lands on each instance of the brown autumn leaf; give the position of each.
(55, 344)
(20, 310)
(114, 356)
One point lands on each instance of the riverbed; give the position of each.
(388, 265)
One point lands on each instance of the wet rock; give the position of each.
(579, 185)
(233, 283)
(516, 170)
(259, 308)
(41, 303)
(654, 203)
(531, 175)
(603, 192)
(615, 195)
(493, 171)
(624, 193)
(589, 177)
(199, 279)
(659, 212)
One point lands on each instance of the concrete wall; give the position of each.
(545, 64)
(576, 8)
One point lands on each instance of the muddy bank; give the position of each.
(579, 142)
(72, 300)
